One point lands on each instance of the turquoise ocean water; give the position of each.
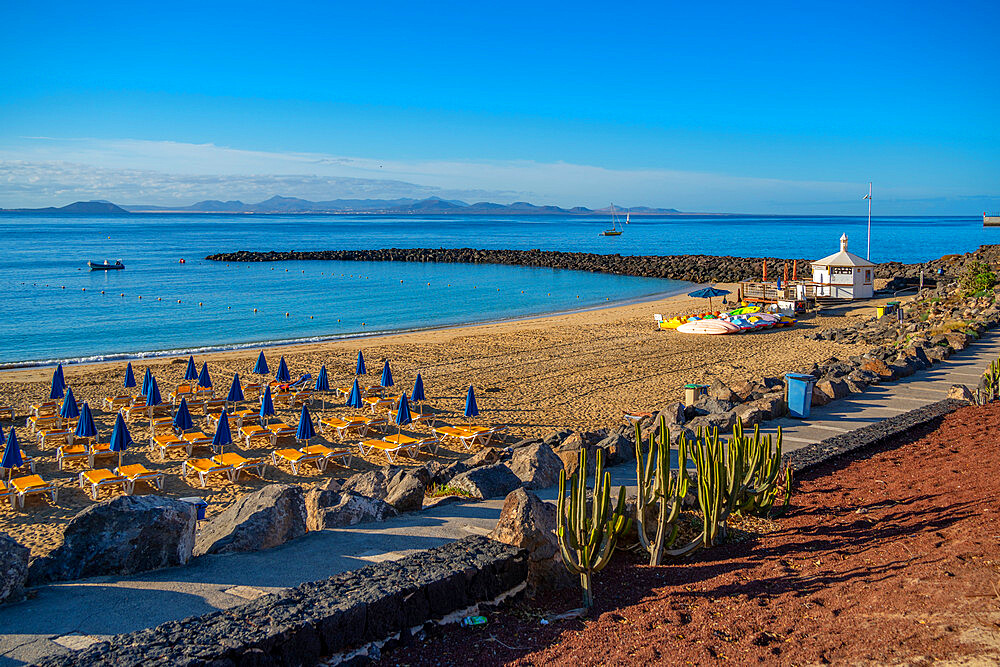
(53, 308)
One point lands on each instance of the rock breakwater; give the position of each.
(693, 268)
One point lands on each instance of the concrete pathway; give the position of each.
(75, 614)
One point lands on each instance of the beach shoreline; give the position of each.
(204, 350)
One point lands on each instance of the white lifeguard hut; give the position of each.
(843, 275)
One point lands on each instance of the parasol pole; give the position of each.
(868, 196)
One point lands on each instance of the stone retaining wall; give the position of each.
(320, 619)
(872, 435)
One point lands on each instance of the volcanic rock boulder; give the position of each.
(494, 481)
(400, 487)
(834, 389)
(259, 520)
(819, 397)
(880, 368)
(529, 523)
(13, 568)
(537, 466)
(961, 392)
(327, 506)
(123, 535)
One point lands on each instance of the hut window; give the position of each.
(842, 271)
(868, 276)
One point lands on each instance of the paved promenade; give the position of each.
(73, 614)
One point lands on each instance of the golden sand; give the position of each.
(580, 370)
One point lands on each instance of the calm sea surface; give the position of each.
(53, 307)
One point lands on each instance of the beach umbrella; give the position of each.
(223, 436)
(283, 375)
(146, 379)
(203, 379)
(191, 373)
(305, 429)
(261, 366)
(58, 390)
(417, 394)
(471, 409)
(708, 293)
(386, 380)
(235, 390)
(360, 368)
(266, 405)
(403, 413)
(153, 395)
(69, 407)
(120, 437)
(322, 383)
(86, 428)
(11, 454)
(62, 378)
(129, 381)
(354, 398)
(182, 420)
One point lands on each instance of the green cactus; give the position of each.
(587, 539)
(738, 475)
(656, 486)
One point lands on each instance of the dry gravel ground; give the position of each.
(891, 557)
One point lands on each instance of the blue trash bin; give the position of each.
(798, 394)
(200, 504)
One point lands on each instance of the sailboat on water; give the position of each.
(614, 231)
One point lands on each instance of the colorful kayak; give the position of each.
(710, 327)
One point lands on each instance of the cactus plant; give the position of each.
(656, 486)
(587, 539)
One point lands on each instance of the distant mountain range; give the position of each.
(286, 205)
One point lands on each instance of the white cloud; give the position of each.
(44, 171)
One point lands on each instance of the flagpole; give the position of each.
(869, 198)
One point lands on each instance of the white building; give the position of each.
(843, 275)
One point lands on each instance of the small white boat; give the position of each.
(106, 266)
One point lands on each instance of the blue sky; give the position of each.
(744, 107)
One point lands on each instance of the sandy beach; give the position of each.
(579, 370)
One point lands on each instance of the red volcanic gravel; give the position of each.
(889, 556)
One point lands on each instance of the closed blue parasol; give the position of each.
(471, 409)
(223, 436)
(418, 390)
(86, 428)
(11, 454)
(191, 372)
(69, 408)
(403, 413)
(235, 390)
(147, 378)
(62, 378)
(260, 368)
(129, 381)
(305, 429)
(58, 390)
(386, 380)
(322, 383)
(120, 437)
(283, 375)
(182, 420)
(708, 293)
(354, 398)
(266, 406)
(360, 368)
(203, 378)
(153, 395)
